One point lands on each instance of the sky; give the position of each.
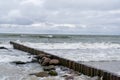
(60, 16)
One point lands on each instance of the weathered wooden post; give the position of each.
(85, 69)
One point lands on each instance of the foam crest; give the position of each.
(9, 58)
(6, 45)
(81, 51)
(79, 45)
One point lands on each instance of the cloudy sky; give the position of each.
(60, 16)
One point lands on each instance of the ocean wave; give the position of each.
(81, 51)
(35, 35)
(9, 54)
(79, 45)
(87, 54)
(6, 45)
(9, 58)
(46, 36)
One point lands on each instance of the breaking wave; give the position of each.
(79, 45)
(81, 51)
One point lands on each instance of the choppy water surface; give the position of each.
(10, 71)
(81, 51)
(103, 56)
(81, 48)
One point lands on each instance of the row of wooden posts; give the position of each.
(85, 69)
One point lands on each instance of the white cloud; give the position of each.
(86, 16)
(14, 14)
(34, 2)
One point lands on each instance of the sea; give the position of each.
(101, 51)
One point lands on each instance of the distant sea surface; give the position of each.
(57, 38)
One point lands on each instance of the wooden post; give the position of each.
(87, 70)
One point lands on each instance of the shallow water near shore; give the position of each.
(80, 48)
(12, 71)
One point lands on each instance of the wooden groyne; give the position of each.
(85, 69)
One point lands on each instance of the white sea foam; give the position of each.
(21, 72)
(81, 51)
(6, 45)
(9, 55)
(87, 55)
(79, 45)
(12, 72)
(9, 58)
